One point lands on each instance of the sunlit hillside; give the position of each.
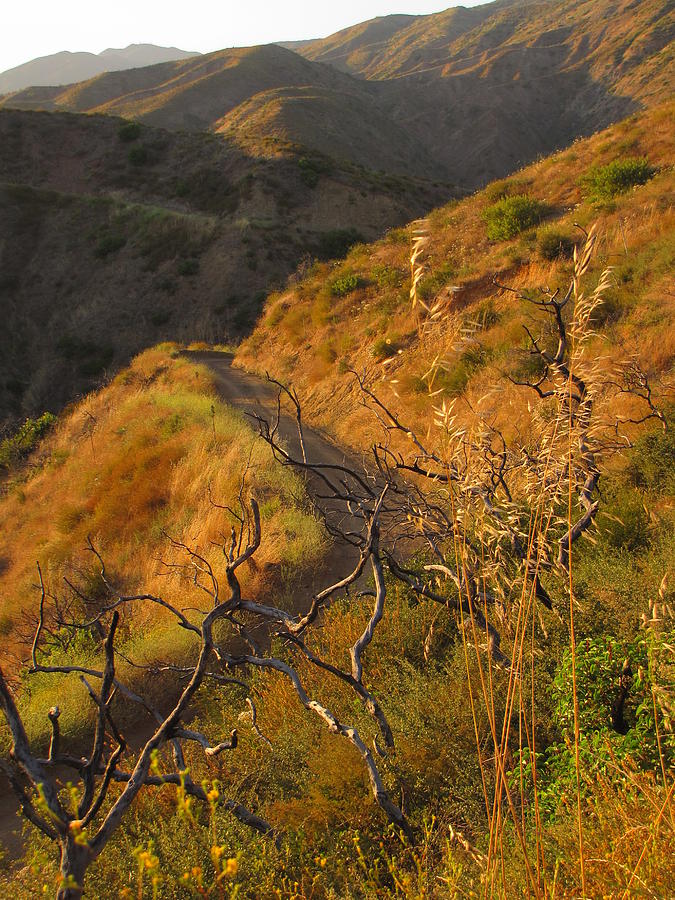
(302, 338)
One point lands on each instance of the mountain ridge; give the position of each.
(67, 67)
(479, 91)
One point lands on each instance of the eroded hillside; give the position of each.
(115, 236)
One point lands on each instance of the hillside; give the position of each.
(541, 770)
(67, 68)
(115, 237)
(466, 95)
(300, 337)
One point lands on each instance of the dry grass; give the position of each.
(637, 241)
(132, 464)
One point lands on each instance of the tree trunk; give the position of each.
(74, 862)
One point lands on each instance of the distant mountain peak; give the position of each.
(68, 67)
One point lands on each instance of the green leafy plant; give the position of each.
(385, 348)
(311, 169)
(188, 267)
(139, 156)
(20, 444)
(605, 182)
(616, 717)
(109, 243)
(553, 244)
(335, 244)
(346, 284)
(511, 215)
(129, 132)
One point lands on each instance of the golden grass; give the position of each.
(132, 464)
(636, 225)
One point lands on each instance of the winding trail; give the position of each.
(252, 396)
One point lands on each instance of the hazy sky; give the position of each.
(28, 30)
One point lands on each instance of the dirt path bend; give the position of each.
(255, 396)
(252, 396)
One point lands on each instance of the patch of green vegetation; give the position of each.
(108, 244)
(138, 156)
(163, 236)
(312, 168)
(511, 215)
(90, 359)
(208, 190)
(346, 284)
(128, 132)
(609, 735)
(161, 317)
(606, 182)
(431, 284)
(385, 348)
(387, 276)
(23, 441)
(335, 244)
(554, 244)
(188, 267)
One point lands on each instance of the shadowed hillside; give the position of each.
(114, 236)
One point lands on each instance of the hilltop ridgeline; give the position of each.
(466, 95)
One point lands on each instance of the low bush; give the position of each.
(129, 132)
(336, 243)
(311, 169)
(188, 267)
(345, 284)
(109, 243)
(139, 156)
(553, 244)
(385, 348)
(511, 215)
(90, 358)
(20, 444)
(605, 182)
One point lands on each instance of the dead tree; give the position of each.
(495, 516)
(81, 833)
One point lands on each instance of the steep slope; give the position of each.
(67, 68)
(513, 79)
(465, 95)
(301, 339)
(113, 237)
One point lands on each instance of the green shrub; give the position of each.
(605, 182)
(606, 739)
(188, 267)
(311, 168)
(385, 348)
(511, 215)
(160, 318)
(128, 132)
(208, 190)
(109, 243)
(345, 284)
(387, 277)
(431, 284)
(18, 445)
(336, 243)
(652, 463)
(139, 156)
(90, 358)
(554, 244)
